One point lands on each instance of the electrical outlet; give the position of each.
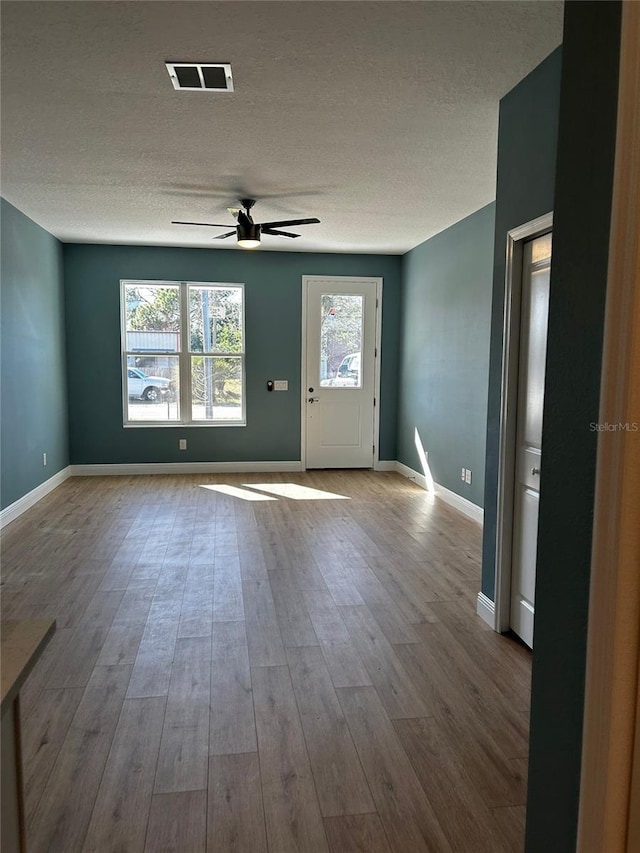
(44, 459)
(182, 444)
(467, 478)
(463, 474)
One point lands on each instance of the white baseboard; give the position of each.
(463, 505)
(385, 465)
(486, 610)
(410, 474)
(182, 468)
(14, 510)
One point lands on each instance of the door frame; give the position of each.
(508, 410)
(343, 279)
(609, 815)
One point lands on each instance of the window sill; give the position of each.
(178, 425)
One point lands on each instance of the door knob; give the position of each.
(314, 399)
(535, 471)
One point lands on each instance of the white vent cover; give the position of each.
(200, 76)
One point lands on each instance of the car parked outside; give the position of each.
(347, 374)
(153, 389)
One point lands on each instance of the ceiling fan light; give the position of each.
(248, 243)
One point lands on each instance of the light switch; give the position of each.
(467, 478)
(281, 385)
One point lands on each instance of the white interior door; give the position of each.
(534, 310)
(340, 372)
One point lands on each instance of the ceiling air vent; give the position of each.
(200, 76)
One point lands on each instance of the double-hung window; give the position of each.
(183, 353)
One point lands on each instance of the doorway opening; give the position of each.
(522, 398)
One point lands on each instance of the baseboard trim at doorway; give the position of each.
(385, 465)
(486, 610)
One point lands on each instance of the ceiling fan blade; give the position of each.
(209, 224)
(289, 222)
(228, 234)
(279, 233)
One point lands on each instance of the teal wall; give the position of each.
(527, 139)
(584, 181)
(273, 340)
(444, 352)
(33, 379)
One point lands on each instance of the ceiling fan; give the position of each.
(249, 232)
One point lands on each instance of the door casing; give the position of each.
(508, 411)
(306, 279)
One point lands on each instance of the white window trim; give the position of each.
(184, 356)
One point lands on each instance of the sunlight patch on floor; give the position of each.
(234, 492)
(295, 492)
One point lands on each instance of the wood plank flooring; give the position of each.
(262, 676)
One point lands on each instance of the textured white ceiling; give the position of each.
(380, 118)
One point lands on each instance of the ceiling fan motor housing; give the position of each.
(249, 231)
(246, 228)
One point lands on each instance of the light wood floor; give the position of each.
(282, 675)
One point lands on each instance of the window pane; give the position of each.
(216, 388)
(153, 317)
(341, 319)
(153, 390)
(215, 319)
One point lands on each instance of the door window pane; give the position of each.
(153, 391)
(216, 388)
(341, 322)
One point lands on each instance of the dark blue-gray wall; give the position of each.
(527, 140)
(273, 341)
(444, 352)
(34, 392)
(584, 180)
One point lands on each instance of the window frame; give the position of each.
(184, 356)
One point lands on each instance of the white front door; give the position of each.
(536, 268)
(340, 372)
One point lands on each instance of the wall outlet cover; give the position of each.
(467, 478)
(281, 385)
(182, 444)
